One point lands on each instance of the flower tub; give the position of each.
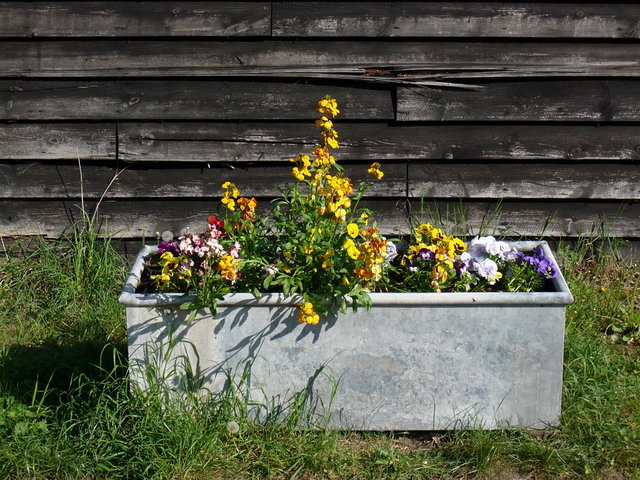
(480, 345)
(414, 361)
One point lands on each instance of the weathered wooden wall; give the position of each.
(532, 105)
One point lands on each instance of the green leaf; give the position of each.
(187, 306)
(192, 315)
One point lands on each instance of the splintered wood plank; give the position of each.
(372, 59)
(184, 100)
(134, 19)
(553, 100)
(456, 19)
(137, 219)
(264, 142)
(542, 181)
(58, 141)
(62, 180)
(144, 218)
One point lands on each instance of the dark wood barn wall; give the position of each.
(533, 105)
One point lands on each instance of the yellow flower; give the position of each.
(353, 230)
(247, 207)
(231, 193)
(301, 170)
(230, 203)
(375, 172)
(328, 106)
(168, 256)
(161, 280)
(228, 267)
(307, 314)
(327, 264)
(439, 273)
(325, 123)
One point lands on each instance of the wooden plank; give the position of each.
(442, 181)
(58, 141)
(62, 180)
(260, 142)
(541, 181)
(371, 59)
(184, 100)
(135, 219)
(456, 19)
(134, 19)
(552, 100)
(534, 219)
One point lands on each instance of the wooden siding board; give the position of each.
(131, 219)
(535, 181)
(139, 19)
(28, 179)
(456, 19)
(180, 99)
(90, 141)
(538, 218)
(529, 101)
(62, 180)
(261, 142)
(368, 59)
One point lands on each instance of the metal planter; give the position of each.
(416, 361)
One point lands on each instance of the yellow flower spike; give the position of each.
(229, 195)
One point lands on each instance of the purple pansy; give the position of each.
(168, 247)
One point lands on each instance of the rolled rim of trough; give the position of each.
(560, 296)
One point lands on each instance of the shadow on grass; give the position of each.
(54, 367)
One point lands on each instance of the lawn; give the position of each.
(66, 412)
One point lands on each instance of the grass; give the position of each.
(65, 410)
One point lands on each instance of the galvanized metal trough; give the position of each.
(416, 361)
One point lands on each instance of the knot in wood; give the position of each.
(147, 139)
(574, 151)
